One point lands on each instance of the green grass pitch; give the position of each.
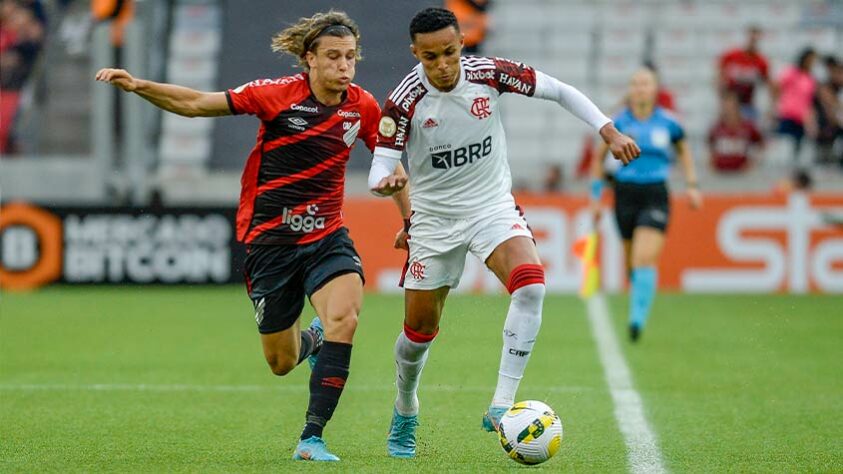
(172, 379)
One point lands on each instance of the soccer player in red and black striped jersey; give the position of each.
(290, 207)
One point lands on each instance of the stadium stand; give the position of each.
(596, 45)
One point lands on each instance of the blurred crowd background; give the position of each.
(758, 85)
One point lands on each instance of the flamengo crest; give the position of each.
(481, 108)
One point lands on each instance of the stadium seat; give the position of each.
(716, 41)
(575, 41)
(626, 14)
(185, 126)
(615, 68)
(629, 41)
(568, 68)
(676, 41)
(194, 43)
(185, 149)
(680, 15)
(572, 14)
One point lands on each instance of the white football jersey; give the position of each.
(455, 140)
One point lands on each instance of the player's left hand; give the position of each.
(695, 198)
(623, 147)
(391, 185)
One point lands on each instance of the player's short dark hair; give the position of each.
(432, 19)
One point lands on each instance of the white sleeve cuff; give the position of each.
(383, 164)
(571, 99)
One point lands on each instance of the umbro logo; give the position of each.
(297, 123)
(430, 123)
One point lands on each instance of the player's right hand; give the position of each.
(391, 185)
(401, 240)
(118, 78)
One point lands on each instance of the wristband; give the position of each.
(596, 189)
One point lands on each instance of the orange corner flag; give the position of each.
(585, 249)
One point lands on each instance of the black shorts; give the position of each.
(278, 277)
(641, 205)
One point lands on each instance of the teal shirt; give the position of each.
(656, 137)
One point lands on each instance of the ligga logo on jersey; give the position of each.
(304, 223)
(461, 156)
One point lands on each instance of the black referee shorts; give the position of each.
(641, 205)
(279, 277)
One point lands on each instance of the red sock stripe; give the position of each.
(418, 337)
(523, 275)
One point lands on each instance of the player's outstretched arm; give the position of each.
(172, 98)
(686, 160)
(622, 147)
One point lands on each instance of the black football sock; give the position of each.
(310, 344)
(326, 384)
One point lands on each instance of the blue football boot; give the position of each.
(313, 449)
(492, 417)
(402, 435)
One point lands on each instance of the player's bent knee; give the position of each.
(527, 282)
(344, 322)
(281, 365)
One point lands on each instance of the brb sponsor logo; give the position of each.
(442, 157)
(306, 223)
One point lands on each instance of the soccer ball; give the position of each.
(530, 432)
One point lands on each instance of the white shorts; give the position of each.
(439, 245)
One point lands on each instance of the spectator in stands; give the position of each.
(473, 20)
(733, 141)
(21, 39)
(829, 106)
(119, 12)
(741, 69)
(795, 107)
(554, 179)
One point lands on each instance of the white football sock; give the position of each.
(409, 358)
(519, 334)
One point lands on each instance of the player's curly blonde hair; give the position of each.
(298, 39)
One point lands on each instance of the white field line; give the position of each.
(280, 387)
(643, 450)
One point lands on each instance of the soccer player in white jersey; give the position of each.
(445, 115)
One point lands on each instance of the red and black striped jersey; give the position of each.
(294, 179)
